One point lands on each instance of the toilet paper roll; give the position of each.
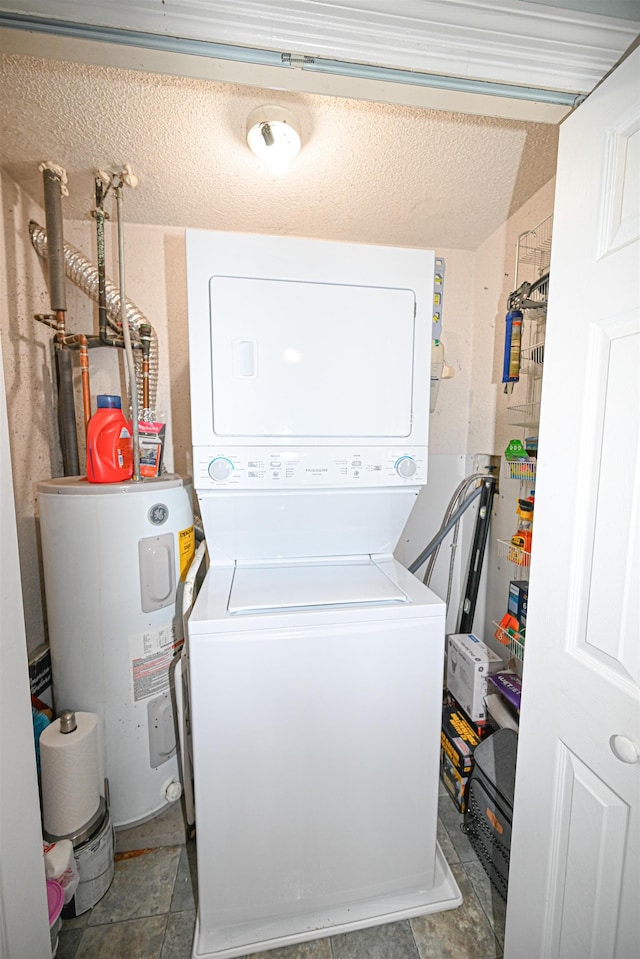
(70, 767)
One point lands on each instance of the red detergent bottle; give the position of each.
(109, 443)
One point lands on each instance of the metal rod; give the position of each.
(127, 339)
(223, 51)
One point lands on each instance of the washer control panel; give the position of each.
(304, 467)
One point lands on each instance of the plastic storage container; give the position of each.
(489, 811)
(55, 901)
(109, 443)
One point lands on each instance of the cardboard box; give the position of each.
(40, 679)
(518, 601)
(457, 743)
(469, 664)
(482, 728)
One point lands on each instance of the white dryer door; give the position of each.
(312, 584)
(292, 359)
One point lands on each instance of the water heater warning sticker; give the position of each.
(151, 656)
(186, 549)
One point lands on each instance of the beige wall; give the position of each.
(30, 392)
(469, 415)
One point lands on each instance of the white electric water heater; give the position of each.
(114, 556)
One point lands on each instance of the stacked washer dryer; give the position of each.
(315, 658)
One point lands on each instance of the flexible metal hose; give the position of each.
(453, 502)
(451, 520)
(84, 274)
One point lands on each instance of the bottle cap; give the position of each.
(107, 401)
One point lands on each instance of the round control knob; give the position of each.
(406, 467)
(220, 469)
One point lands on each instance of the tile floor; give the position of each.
(149, 911)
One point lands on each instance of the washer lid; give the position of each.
(312, 584)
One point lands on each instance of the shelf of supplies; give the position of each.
(514, 554)
(519, 470)
(514, 643)
(526, 415)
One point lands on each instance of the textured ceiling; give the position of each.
(367, 172)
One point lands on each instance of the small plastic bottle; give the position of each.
(109, 443)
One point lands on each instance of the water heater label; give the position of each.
(151, 654)
(186, 549)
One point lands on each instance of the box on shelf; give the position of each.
(40, 680)
(458, 740)
(503, 699)
(509, 685)
(469, 664)
(518, 601)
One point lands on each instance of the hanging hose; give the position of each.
(453, 502)
(85, 276)
(451, 520)
(442, 532)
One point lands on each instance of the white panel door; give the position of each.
(573, 887)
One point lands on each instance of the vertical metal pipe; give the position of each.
(145, 342)
(127, 340)
(81, 341)
(52, 182)
(67, 412)
(55, 239)
(86, 387)
(100, 217)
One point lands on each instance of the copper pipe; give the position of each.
(80, 341)
(60, 316)
(145, 382)
(145, 333)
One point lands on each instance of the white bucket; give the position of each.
(95, 861)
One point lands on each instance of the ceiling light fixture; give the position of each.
(273, 134)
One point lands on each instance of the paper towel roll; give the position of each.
(70, 766)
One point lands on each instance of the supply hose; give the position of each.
(442, 532)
